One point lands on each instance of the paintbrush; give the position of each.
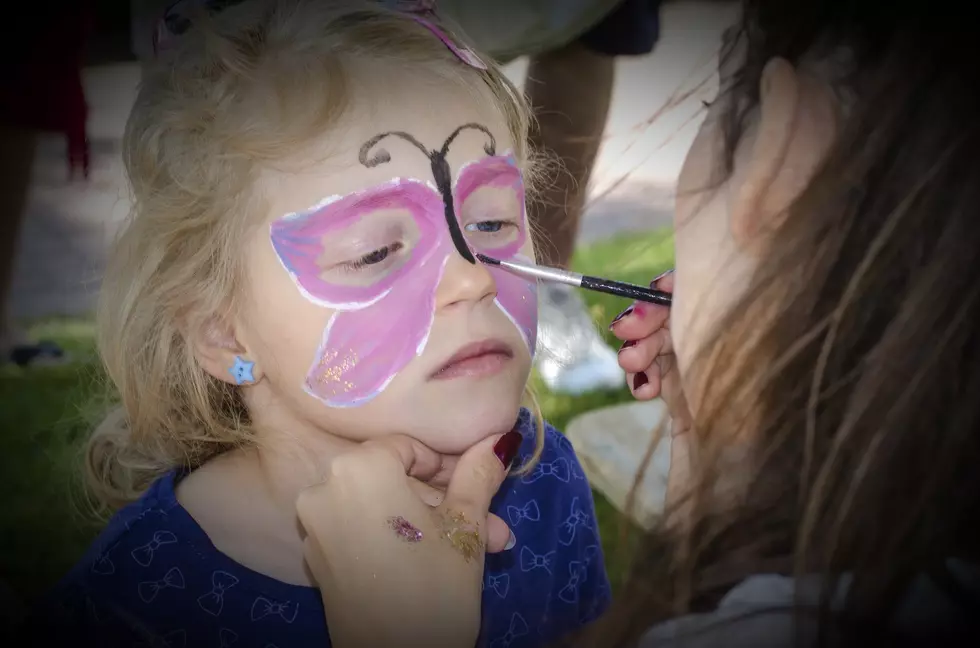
(597, 284)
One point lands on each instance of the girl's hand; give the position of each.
(647, 355)
(393, 569)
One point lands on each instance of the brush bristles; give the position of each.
(488, 260)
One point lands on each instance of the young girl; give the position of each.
(311, 182)
(821, 358)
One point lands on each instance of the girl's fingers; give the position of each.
(499, 536)
(431, 496)
(480, 472)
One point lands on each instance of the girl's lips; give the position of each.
(476, 360)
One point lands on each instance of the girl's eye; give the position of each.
(488, 226)
(372, 258)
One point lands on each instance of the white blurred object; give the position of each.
(571, 357)
(611, 443)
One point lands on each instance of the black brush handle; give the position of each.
(630, 291)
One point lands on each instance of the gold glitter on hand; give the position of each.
(463, 535)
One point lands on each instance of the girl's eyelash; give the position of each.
(372, 258)
(381, 254)
(707, 104)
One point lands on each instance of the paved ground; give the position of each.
(69, 224)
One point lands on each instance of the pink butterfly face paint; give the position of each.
(486, 191)
(376, 258)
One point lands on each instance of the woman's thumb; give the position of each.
(479, 473)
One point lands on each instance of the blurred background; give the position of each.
(69, 220)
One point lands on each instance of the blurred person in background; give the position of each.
(42, 75)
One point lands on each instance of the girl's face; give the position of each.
(363, 316)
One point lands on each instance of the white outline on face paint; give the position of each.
(322, 349)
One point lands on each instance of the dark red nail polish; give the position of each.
(639, 380)
(627, 344)
(507, 446)
(625, 313)
(653, 284)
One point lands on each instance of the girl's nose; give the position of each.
(463, 281)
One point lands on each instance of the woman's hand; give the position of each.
(647, 355)
(394, 566)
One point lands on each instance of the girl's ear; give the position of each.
(793, 132)
(217, 349)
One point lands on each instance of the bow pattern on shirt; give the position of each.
(518, 628)
(214, 601)
(559, 469)
(143, 555)
(529, 512)
(263, 607)
(576, 518)
(531, 560)
(148, 590)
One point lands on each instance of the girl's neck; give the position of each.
(290, 453)
(286, 463)
(245, 500)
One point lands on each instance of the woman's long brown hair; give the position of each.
(853, 366)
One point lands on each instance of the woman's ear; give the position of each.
(790, 137)
(218, 351)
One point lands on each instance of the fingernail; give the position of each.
(621, 316)
(659, 277)
(627, 344)
(639, 380)
(506, 447)
(511, 542)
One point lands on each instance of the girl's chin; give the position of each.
(461, 439)
(456, 445)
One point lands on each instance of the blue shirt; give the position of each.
(153, 577)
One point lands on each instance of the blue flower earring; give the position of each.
(242, 371)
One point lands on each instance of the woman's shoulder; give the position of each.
(764, 610)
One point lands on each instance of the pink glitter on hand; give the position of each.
(405, 529)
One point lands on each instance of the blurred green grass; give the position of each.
(46, 414)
